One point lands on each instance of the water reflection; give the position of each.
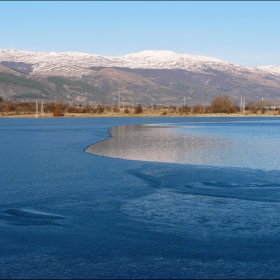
(231, 145)
(158, 143)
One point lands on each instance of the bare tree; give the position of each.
(223, 104)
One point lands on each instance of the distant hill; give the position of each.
(15, 85)
(148, 77)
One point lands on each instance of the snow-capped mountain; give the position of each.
(146, 77)
(270, 69)
(78, 64)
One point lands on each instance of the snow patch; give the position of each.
(78, 63)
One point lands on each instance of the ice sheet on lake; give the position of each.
(209, 201)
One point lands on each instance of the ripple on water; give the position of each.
(20, 217)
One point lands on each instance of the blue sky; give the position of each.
(245, 33)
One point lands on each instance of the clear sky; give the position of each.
(245, 33)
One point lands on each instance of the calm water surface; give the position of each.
(250, 144)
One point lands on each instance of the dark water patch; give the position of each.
(19, 217)
(250, 192)
(238, 183)
(152, 181)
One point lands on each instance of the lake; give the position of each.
(139, 198)
(228, 143)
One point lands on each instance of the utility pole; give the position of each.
(36, 116)
(184, 101)
(242, 104)
(119, 99)
(42, 108)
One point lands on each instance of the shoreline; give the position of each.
(150, 115)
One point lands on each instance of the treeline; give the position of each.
(223, 104)
(220, 104)
(59, 108)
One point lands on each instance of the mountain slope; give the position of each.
(132, 87)
(20, 86)
(76, 90)
(15, 85)
(161, 77)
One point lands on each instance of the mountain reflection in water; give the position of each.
(223, 144)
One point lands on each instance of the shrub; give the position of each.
(184, 109)
(58, 112)
(100, 109)
(59, 108)
(94, 110)
(223, 104)
(71, 109)
(198, 109)
(49, 107)
(6, 108)
(116, 109)
(251, 106)
(138, 109)
(126, 111)
(108, 108)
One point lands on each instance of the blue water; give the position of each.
(67, 213)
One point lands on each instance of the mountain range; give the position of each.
(147, 77)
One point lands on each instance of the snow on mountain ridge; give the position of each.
(153, 52)
(77, 64)
(170, 55)
(269, 69)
